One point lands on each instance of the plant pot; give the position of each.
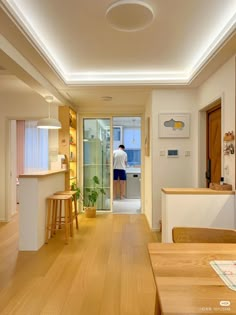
(90, 212)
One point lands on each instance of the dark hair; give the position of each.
(122, 146)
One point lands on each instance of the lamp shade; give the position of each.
(49, 123)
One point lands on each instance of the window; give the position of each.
(36, 148)
(132, 142)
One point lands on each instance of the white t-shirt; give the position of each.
(119, 159)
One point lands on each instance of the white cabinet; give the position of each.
(133, 185)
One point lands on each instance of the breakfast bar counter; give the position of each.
(34, 189)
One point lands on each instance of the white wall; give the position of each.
(196, 209)
(188, 171)
(172, 172)
(221, 85)
(17, 101)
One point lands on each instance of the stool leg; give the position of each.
(66, 210)
(54, 216)
(51, 223)
(60, 212)
(71, 217)
(76, 213)
(48, 221)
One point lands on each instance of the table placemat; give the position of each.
(226, 269)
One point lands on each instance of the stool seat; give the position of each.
(65, 192)
(55, 205)
(73, 194)
(59, 197)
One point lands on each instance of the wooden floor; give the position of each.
(105, 270)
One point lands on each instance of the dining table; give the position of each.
(194, 278)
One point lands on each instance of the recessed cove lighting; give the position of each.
(130, 15)
(123, 15)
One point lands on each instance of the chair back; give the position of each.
(203, 235)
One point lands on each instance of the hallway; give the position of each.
(105, 270)
(128, 206)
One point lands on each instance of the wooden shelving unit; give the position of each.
(68, 143)
(229, 143)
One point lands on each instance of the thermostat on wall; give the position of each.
(173, 153)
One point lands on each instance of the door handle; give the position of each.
(208, 171)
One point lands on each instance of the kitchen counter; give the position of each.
(133, 170)
(42, 173)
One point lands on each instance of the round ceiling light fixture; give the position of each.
(130, 15)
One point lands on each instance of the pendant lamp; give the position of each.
(49, 123)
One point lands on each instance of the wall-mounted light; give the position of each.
(49, 123)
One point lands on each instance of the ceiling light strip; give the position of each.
(85, 78)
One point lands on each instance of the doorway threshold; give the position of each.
(129, 206)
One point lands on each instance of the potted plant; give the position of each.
(90, 196)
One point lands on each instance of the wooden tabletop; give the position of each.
(185, 281)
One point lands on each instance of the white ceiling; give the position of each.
(76, 54)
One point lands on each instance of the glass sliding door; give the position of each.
(96, 159)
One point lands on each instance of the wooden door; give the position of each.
(213, 173)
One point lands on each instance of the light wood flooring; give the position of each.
(104, 270)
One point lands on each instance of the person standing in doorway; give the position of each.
(119, 171)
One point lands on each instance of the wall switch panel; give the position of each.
(226, 168)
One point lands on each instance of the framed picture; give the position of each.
(174, 125)
(147, 136)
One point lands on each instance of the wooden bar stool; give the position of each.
(75, 212)
(55, 205)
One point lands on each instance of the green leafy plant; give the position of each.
(78, 193)
(92, 194)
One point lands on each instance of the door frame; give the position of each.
(80, 154)
(10, 175)
(202, 144)
(216, 106)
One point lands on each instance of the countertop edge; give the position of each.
(196, 191)
(42, 174)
